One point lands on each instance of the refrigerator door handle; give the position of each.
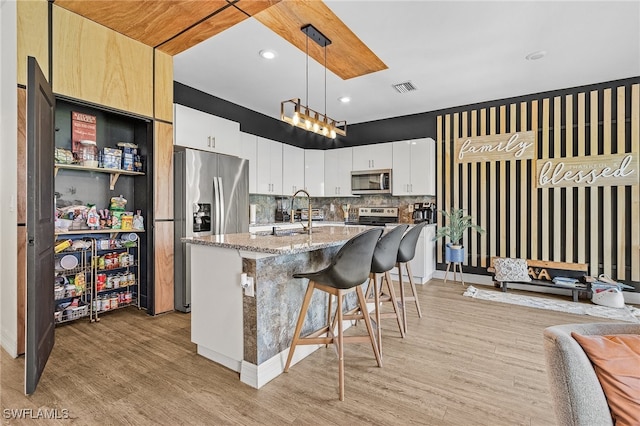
(221, 204)
(216, 202)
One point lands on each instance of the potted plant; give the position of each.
(456, 223)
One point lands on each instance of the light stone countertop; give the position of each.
(285, 243)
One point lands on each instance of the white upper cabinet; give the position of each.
(248, 146)
(413, 167)
(376, 156)
(337, 172)
(199, 130)
(269, 167)
(314, 172)
(292, 169)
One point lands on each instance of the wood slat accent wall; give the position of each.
(582, 224)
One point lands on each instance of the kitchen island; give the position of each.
(250, 331)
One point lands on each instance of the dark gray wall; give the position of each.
(392, 129)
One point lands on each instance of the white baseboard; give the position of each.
(214, 356)
(257, 376)
(9, 343)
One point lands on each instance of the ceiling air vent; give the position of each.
(405, 87)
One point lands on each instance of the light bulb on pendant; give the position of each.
(332, 133)
(296, 118)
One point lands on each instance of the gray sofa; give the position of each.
(578, 398)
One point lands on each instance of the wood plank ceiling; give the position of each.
(173, 26)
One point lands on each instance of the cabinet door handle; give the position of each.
(209, 141)
(213, 141)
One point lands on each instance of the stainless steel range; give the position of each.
(377, 216)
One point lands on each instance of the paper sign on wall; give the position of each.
(504, 147)
(596, 170)
(83, 128)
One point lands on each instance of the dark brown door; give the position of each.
(40, 225)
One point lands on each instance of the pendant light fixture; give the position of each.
(293, 112)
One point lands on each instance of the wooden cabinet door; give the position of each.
(292, 169)
(96, 64)
(163, 171)
(163, 266)
(314, 172)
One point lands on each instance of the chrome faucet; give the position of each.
(309, 213)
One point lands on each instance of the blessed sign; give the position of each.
(597, 170)
(509, 146)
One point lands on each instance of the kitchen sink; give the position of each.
(286, 232)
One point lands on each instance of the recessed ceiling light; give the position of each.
(533, 56)
(344, 99)
(268, 54)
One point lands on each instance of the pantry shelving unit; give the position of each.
(116, 268)
(74, 287)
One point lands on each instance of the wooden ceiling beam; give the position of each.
(347, 55)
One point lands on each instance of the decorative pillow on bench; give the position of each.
(511, 270)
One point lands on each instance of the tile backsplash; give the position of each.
(266, 205)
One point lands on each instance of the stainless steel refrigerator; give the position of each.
(211, 197)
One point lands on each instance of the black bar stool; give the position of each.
(406, 253)
(347, 271)
(384, 259)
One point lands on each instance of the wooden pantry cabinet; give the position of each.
(126, 282)
(96, 64)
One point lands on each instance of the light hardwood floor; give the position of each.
(466, 362)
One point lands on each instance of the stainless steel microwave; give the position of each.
(371, 182)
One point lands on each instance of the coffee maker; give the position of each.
(282, 209)
(424, 212)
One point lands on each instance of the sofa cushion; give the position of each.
(511, 270)
(616, 361)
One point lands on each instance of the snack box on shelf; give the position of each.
(111, 158)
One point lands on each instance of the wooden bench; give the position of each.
(543, 272)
